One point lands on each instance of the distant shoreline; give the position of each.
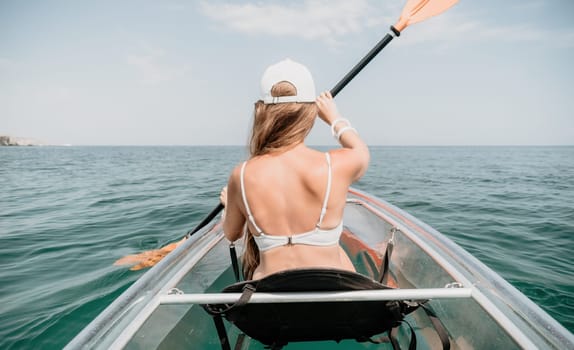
(312, 146)
(18, 141)
(11, 141)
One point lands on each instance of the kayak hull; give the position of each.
(161, 310)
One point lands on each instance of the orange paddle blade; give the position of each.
(148, 258)
(418, 10)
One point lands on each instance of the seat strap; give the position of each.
(393, 337)
(221, 332)
(240, 340)
(384, 271)
(439, 327)
(248, 291)
(234, 261)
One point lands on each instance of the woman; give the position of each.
(288, 198)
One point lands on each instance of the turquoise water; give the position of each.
(67, 213)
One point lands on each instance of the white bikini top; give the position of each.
(315, 237)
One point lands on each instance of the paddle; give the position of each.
(151, 257)
(414, 11)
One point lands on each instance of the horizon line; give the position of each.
(239, 145)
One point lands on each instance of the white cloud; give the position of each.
(331, 21)
(327, 21)
(153, 67)
(456, 27)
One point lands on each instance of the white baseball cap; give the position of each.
(292, 72)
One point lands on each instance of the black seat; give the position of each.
(276, 324)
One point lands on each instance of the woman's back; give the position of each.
(285, 192)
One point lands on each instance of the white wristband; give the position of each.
(335, 122)
(342, 130)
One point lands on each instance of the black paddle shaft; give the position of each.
(359, 66)
(205, 221)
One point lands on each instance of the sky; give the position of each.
(180, 72)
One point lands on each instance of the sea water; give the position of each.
(67, 213)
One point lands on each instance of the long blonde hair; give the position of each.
(275, 127)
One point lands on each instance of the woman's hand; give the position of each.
(223, 196)
(327, 108)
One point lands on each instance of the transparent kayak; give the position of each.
(478, 308)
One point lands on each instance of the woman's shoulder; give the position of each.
(236, 172)
(349, 162)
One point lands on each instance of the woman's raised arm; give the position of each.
(355, 151)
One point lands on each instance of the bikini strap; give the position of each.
(249, 215)
(324, 208)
